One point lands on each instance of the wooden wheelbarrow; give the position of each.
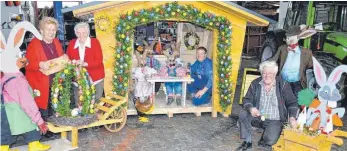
(113, 116)
(293, 141)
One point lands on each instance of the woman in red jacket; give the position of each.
(38, 52)
(87, 52)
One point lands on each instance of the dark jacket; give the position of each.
(305, 61)
(287, 103)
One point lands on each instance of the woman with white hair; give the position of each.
(87, 52)
(269, 101)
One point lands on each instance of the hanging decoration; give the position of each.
(61, 92)
(102, 23)
(125, 31)
(191, 40)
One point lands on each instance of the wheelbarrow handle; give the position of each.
(335, 140)
(339, 133)
(115, 96)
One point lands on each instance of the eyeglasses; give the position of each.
(268, 74)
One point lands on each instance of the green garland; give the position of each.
(125, 31)
(186, 40)
(61, 91)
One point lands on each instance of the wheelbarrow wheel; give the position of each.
(117, 114)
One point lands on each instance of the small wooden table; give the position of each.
(184, 81)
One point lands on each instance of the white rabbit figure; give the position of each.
(327, 92)
(10, 49)
(302, 119)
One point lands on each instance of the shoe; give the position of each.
(169, 100)
(37, 146)
(178, 101)
(49, 134)
(7, 148)
(244, 146)
(261, 143)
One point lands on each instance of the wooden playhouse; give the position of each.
(220, 27)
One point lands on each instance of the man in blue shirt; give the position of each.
(201, 72)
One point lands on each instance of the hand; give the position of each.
(84, 64)
(254, 111)
(199, 93)
(43, 65)
(43, 128)
(293, 122)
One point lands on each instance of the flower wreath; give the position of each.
(186, 40)
(61, 91)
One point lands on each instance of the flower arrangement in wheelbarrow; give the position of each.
(62, 91)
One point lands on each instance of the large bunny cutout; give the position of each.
(10, 50)
(320, 111)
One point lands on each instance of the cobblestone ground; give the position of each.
(184, 132)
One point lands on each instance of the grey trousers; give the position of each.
(99, 90)
(272, 128)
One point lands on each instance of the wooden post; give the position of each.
(74, 137)
(214, 114)
(63, 135)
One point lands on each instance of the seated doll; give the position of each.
(173, 89)
(143, 89)
(19, 112)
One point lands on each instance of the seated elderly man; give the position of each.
(268, 102)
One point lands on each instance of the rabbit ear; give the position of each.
(2, 42)
(319, 72)
(145, 42)
(15, 39)
(307, 33)
(166, 53)
(137, 54)
(336, 74)
(145, 52)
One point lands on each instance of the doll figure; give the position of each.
(172, 69)
(19, 112)
(143, 89)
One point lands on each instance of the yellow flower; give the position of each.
(184, 14)
(227, 41)
(200, 15)
(157, 10)
(81, 98)
(84, 69)
(55, 100)
(211, 23)
(125, 84)
(87, 92)
(128, 27)
(143, 19)
(178, 10)
(60, 88)
(66, 71)
(173, 13)
(225, 97)
(91, 106)
(129, 48)
(122, 36)
(91, 111)
(223, 33)
(118, 56)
